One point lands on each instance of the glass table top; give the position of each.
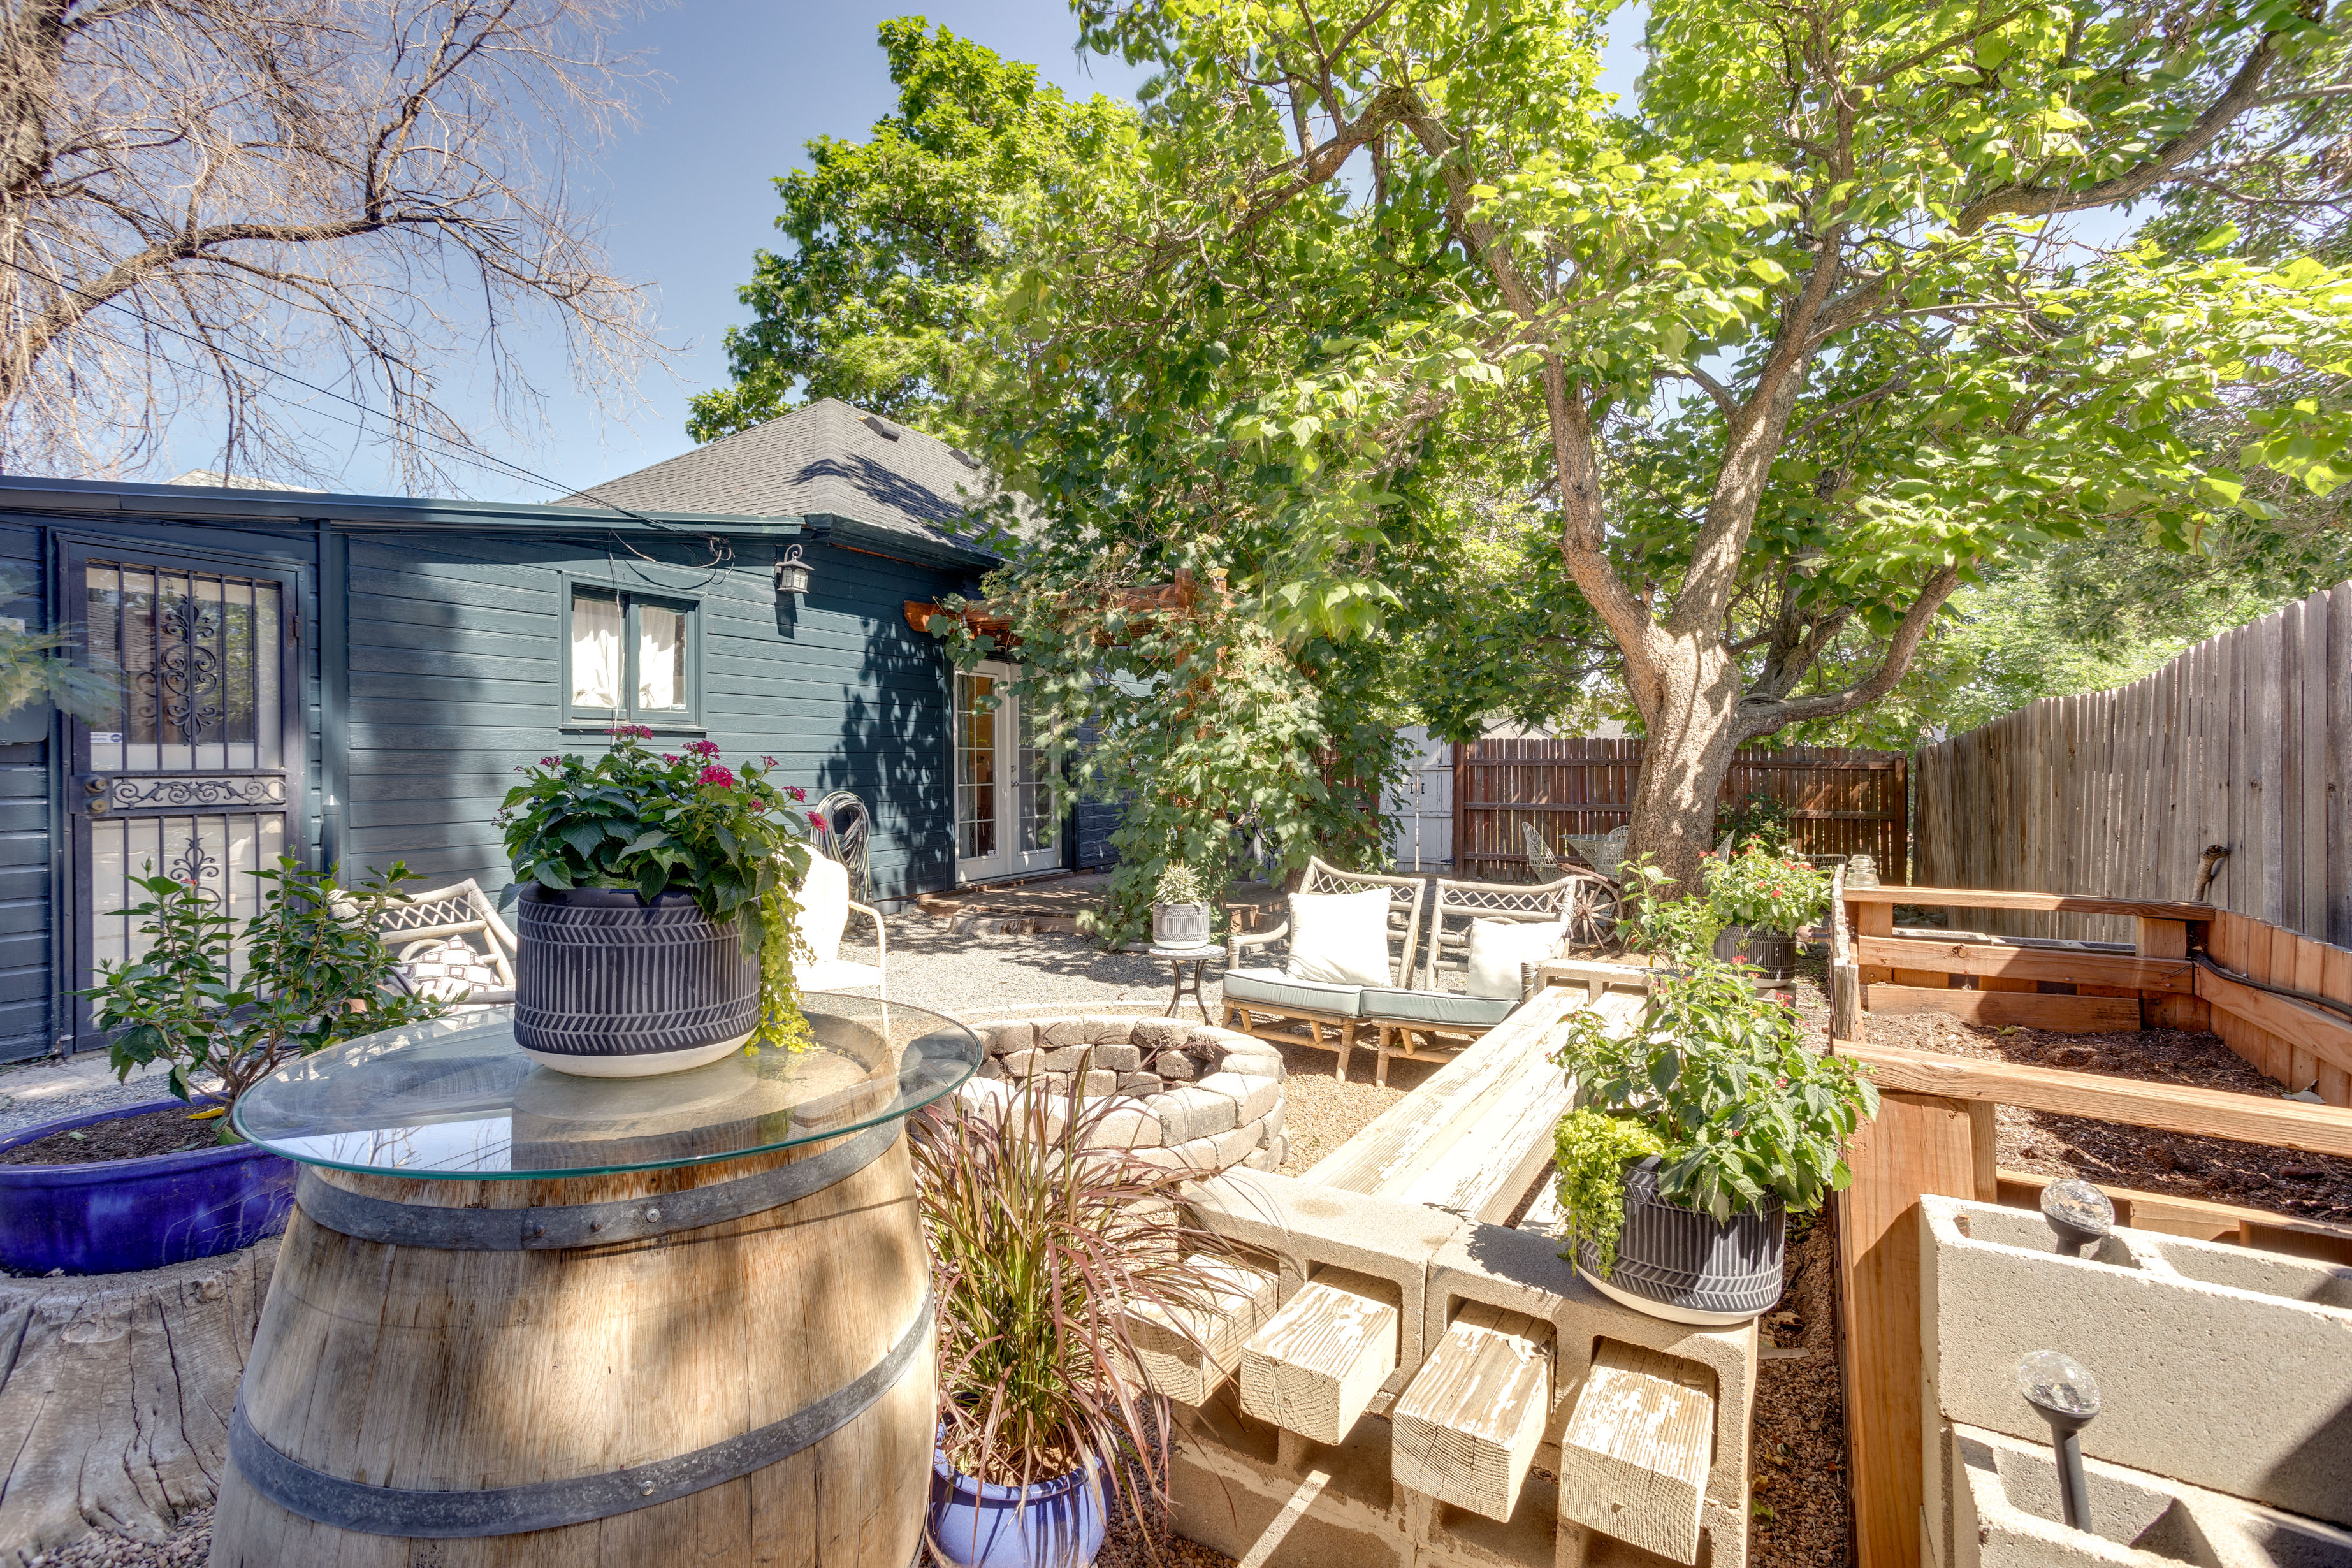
(457, 1098)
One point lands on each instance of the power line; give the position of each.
(466, 452)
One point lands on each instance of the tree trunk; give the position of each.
(115, 1394)
(1692, 734)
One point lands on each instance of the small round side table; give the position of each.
(523, 1314)
(1199, 958)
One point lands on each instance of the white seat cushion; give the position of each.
(838, 975)
(1340, 939)
(1497, 948)
(1275, 989)
(824, 907)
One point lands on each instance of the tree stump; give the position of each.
(115, 1394)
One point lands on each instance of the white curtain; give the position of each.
(661, 658)
(595, 653)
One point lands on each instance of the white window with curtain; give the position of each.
(630, 659)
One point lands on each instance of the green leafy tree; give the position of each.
(894, 238)
(1787, 354)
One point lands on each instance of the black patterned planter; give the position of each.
(1772, 952)
(1687, 1266)
(607, 985)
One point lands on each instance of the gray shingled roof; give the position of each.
(824, 458)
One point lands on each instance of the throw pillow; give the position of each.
(1497, 948)
(446, 970)
(1340, 939)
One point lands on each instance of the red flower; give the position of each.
(631, 732)
(715, 774)
(547, 762)
(758, 806)
(669, 756)
(796, 792)
(816, 820)
(767, 762)
(704, 748)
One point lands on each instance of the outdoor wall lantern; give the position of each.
(793, 574)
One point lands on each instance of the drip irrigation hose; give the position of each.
(2309, 998)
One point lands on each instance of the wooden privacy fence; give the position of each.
(2244, 741)
(1841, 801)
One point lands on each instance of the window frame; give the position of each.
(574, 586)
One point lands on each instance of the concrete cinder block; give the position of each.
(1023, 1063)
(2232, 1389)
(1099, 1085)
(2006, 1514)
(1175, 1067)
(1192, 1112)
(1104, 1029)
(1304, 1225)
(1521, 1271)
(1140, 1083)
(1254, 1096)
(1119, 1057)
(1260, 1061)
(1237, 1146)
(1052, 1034)
(1064, 1058)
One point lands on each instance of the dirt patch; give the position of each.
(166, 1131)
(1798, 1479)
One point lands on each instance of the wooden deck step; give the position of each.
(1187, 1353)
(1318, 1363)
(1467, 1427)
(1635, 1458)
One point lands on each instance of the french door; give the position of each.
(1005, 810)
(195, 761)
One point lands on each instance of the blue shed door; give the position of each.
(190, 769)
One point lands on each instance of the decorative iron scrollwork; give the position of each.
(186, 681)
(181, 792)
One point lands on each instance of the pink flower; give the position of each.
(669, 756)
(816, 820)
(547, 762)
(796, 792)
(715, 774)
(758, 806)
(631, 732)
(767, 762)
(704, 748)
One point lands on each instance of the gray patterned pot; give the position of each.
(1773, 953)
(1180, 925)
(607, 985)
(1687, 1266)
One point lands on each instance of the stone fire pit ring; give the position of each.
(1180, 1094)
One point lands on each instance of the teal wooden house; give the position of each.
(354, 679)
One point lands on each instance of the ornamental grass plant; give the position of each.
(1041, 1246)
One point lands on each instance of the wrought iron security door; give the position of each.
(193, 770)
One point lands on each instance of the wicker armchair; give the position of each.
(1266, 1003)
(424, 935)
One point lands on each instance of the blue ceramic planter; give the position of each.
(974, 1524)
(115, 1216)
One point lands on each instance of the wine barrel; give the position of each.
(723, 1363)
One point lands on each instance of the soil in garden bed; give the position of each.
(2253, 1176)
(1797, 1449)
(166, 1131)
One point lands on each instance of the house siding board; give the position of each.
(837, 686)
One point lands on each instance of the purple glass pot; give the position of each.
(115, 1216)
(1056, 1523)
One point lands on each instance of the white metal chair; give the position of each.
(825, 909)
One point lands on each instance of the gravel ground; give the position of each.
(186, 1547)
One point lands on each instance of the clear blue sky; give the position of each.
(689, 198)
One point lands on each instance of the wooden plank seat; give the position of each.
(1268, 1004)
(1467, 1427)
(1634, 1460)
(1315, 1367)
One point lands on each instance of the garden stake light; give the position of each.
(2064, 1389)
(2079, 1213)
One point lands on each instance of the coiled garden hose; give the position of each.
(2204, 960)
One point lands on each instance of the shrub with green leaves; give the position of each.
(1764, 890)
(1722, 1078)
(207, 996)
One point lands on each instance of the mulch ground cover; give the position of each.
(165, 1131)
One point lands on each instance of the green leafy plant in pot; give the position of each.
(1180, 916)
(1763, 899)
(1696, 1131)
(656, 923)
(1045, 1244)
